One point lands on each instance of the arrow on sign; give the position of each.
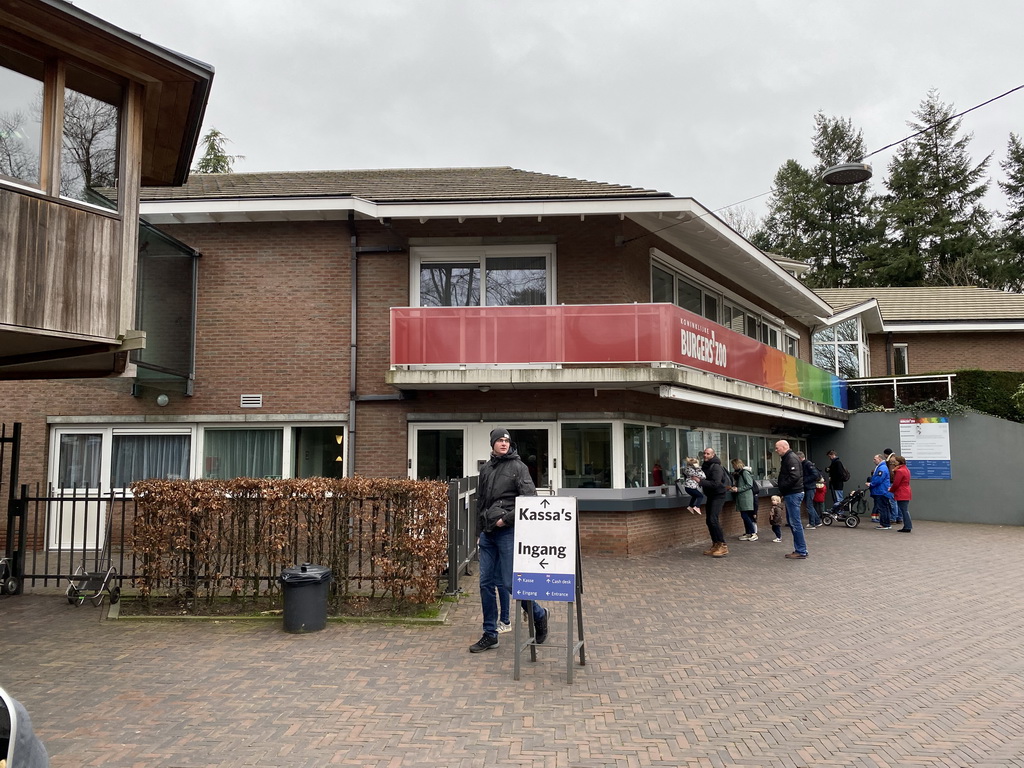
(545, 503)
(543, 563)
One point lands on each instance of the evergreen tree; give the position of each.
(1011, 236)
(215, 158)
(937, 231)
(826, 226)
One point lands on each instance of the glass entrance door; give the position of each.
(534, 444)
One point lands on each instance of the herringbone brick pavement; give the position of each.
(879, 650)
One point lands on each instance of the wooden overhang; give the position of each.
(176, 86)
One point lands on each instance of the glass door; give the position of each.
(76, 512)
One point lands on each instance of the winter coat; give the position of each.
(744, 495)
(791, 475)
(502, 478)
(880, 481)
(716, 480)
(811, 475)
(835, 474)
(900, 487)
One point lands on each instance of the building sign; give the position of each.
(544, 562)
(924, 443)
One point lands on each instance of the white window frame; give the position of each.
(420, 255)
(897, 348)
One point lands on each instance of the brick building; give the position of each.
(383, 322)
(918, 331)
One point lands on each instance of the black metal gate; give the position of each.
(12, 564)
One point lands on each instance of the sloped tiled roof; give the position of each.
(937, 304)
(397, 185)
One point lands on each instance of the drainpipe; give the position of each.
(350, 454)
(354, 250)
(888, 354)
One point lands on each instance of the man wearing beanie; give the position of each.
(502, 478)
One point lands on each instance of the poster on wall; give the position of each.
(924, 443)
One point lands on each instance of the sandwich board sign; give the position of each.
(544, 561)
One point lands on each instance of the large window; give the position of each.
(90, 111)
(587, 455)
(841, 349)
(500, 276)
(116, 456)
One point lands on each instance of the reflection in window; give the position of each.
(449, 285)
(516, 281)
(89, 144)
(840, 349)
(587, 455)
(319, 451)
(633, 455)
(21, 130)
(661, 286)
(145, 457)
(900, 360)
(231, 453)
(78, 465)
(661, 453)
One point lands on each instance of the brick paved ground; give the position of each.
(881, 649)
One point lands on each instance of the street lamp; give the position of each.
(846, 173)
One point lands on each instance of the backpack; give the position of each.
(754, 485)
(846, 474)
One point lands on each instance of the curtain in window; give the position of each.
(144, 457)
(78, 465)
(230, 453)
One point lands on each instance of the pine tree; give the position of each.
(826, 226)
(215, 158)
(1011, 236)
(937, 230)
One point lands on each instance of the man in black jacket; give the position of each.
(502, 479)
(714, 485)
(836, 476)
(791, 488)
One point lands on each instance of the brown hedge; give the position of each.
(208, 538)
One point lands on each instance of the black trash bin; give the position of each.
(305, 597)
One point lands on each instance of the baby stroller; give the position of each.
(846, 511)
(19, 747)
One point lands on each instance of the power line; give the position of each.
(865, 157)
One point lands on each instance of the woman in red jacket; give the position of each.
(900, 489)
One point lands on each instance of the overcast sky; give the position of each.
(700, 99)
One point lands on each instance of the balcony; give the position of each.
(613, 343)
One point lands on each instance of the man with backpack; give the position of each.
(838, 474)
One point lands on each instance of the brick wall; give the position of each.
(947, 351)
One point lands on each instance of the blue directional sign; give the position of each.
(544, 563)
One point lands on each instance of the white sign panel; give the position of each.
(925, 446)
(544, 563)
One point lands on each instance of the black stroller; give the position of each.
(847, 511)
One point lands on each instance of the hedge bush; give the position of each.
(204, 539)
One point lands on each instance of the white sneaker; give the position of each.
(745, 537)
(504, 627)
(777, 541)
(752, 537)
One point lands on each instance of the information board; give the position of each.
(925, 445)
(544, 563)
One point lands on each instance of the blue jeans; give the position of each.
(495, 552)
(837, 495)
(883, 508)
(904, 512)
(894, 510)
(812, 513)
(793, 519)
(749, 522)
